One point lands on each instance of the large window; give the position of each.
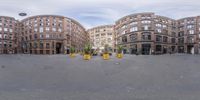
(146, 22)
(173, 40)
(146, 27)
(47, 45)
(191, 31)
(146, 36)
(159, 30)
(158, 38)
(41, 45)
(47, 28)
(35, 45)
(181, 40)
(133, 23)
(133, 37)
(165, 38)
(158, 48)
(35, 36)
(41, 29)
(47, 36)
(124, 39)
(191, 39)
(133, 29)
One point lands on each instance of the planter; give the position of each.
(72, 55)
(106, 56)
(86, 56)
(119, 55)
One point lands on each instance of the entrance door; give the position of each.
(190, 49)
(146, 49)
(58, 48)
(164, 50)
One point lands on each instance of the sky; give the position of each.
(92, 13)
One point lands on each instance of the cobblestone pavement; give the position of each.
(58, 77)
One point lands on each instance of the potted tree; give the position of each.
(119, 52)
(87, 52)
(106, 55)
(72, 52)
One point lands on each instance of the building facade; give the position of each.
(101, 36)
(146, 33)
(189, 35)
(51, 34)
(141, 33)
(8, 35)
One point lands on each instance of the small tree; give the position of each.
(87, 49)
(119, 49)
(72, 50)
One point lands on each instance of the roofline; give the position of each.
(8, 17)
(54, 16)
(101, 26)
(134, 15)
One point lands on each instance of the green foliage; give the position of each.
(72, 50)
(87, 49)
(119, 49)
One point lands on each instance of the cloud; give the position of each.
(92, 13)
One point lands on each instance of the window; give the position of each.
(158, 25)
(41, 45)
(159, 30)
(41, 29)
(11, 30)
(5, 29)
(0, 29)
(191, 31)
(41, 36)
(35, 30)
(47, 45)
(109, 33)
(133, 29)
(146, 36)
(0, 36)
(158, 48)
(133, 37)
(35, 25)
(35, 36)
(124, 39)
(146, 21)
(145, 27)
(133, 23)
(47, 36)
(35, 45)
(173, 40)
(165, 38)
(190, 39)
(47, 28)
(54, 29)
(59, 30)
(190, 26)
(158, 38)
(181, 40)
(164, 26)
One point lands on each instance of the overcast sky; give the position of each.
(92, 13)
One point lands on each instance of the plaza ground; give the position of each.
(58, 77)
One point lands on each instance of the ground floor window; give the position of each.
(158, 48)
